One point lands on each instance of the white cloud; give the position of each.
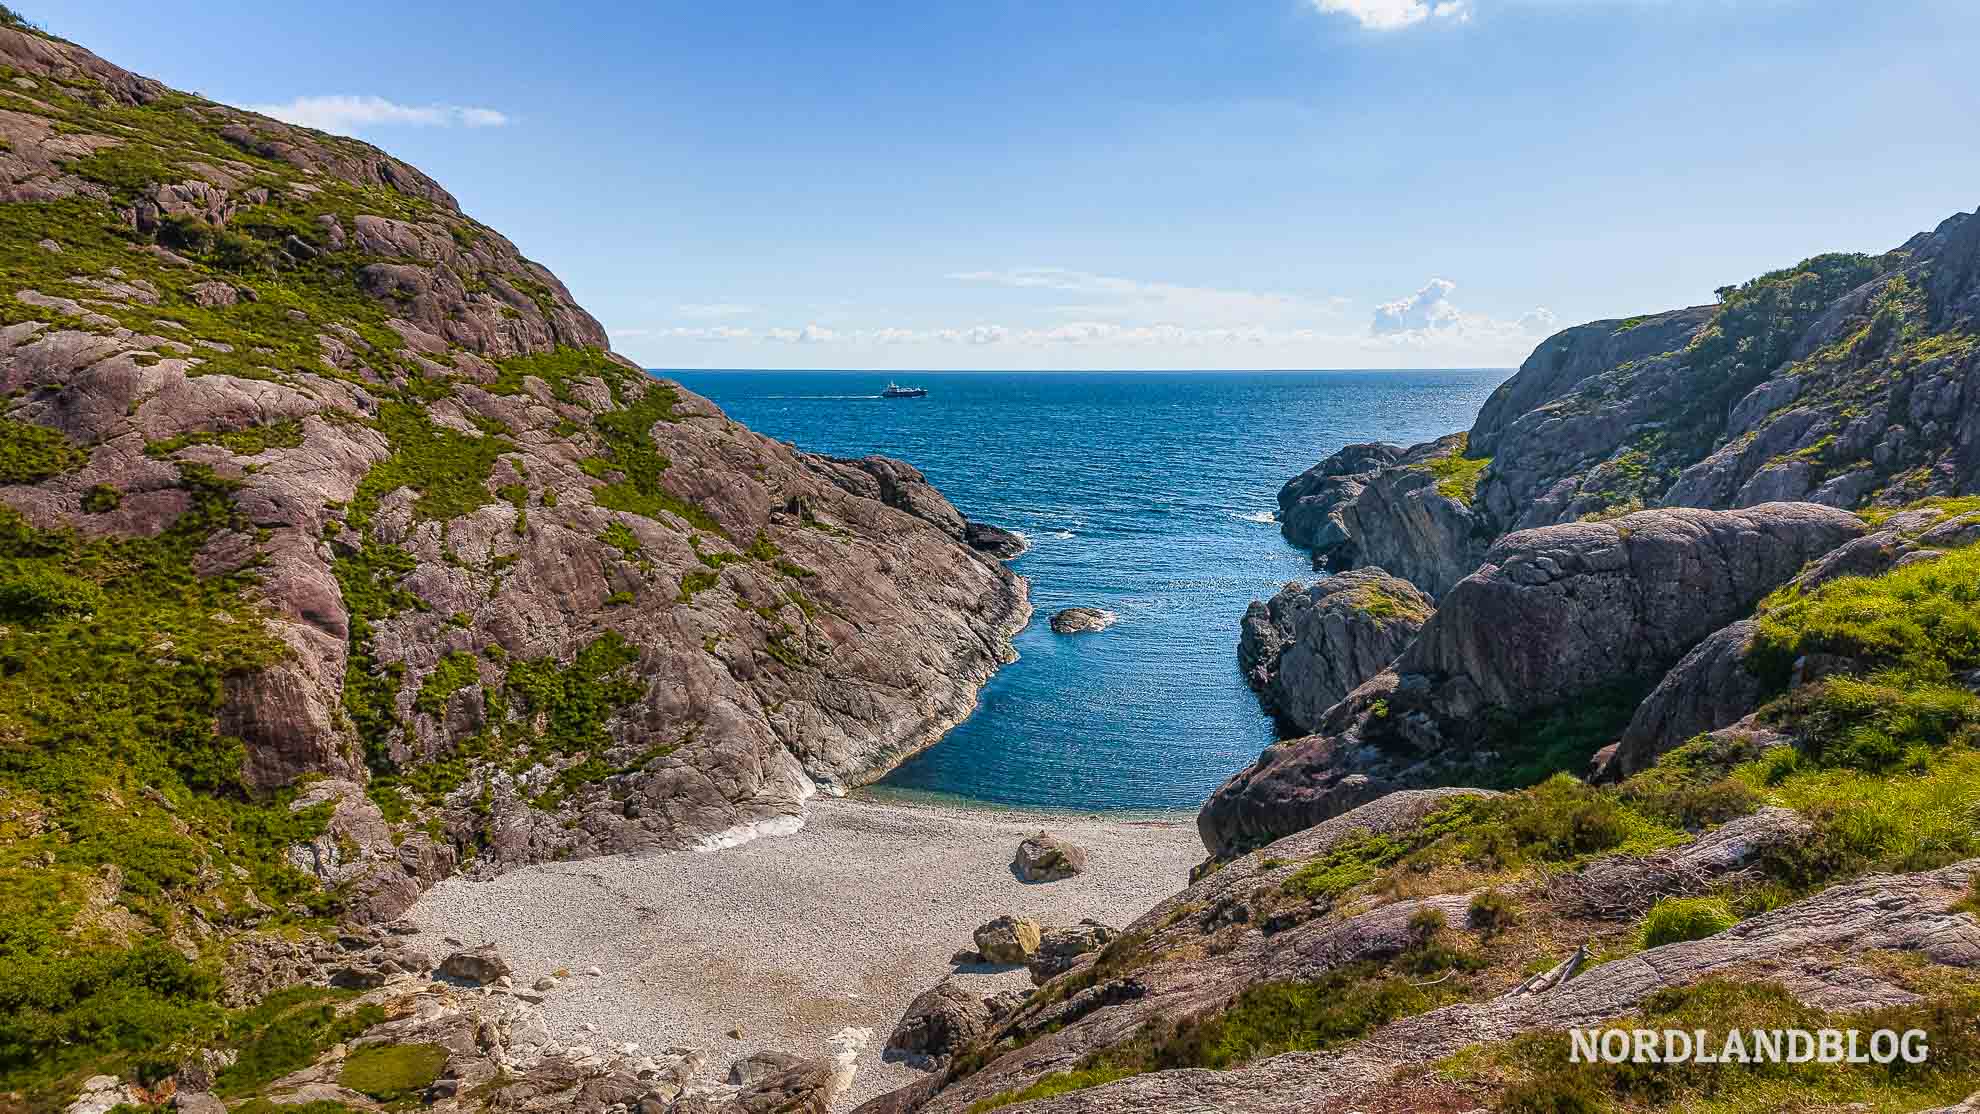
(1394, 15)
(1428, 308)
(347, 115)
(717, 332)
(1428, 318)
(704, 310)
(1130, 298)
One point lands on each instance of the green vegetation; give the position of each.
(1492, 911)
(1349, 863)
(456, 671)
(31, 453)
(391, 1072)
(1677, 919)
(111, 680)
(1378, 604)
(447, 468)
(1457, 474)
(620, 537)
(1534, 744)
(101, 499)
(253, 440)
(286, 1031)
(1050, 1084)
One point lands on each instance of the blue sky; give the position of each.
(1106, 184)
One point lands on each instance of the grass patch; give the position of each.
(1677, 919)
(1050, 1084)
(1457, 474)
(286, 1031)
(392, 1072)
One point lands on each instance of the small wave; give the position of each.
(1263, 517)
(1061, 535)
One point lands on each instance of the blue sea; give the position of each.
(1150, 495)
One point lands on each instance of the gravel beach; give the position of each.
(791, 938)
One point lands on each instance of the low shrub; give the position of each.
(390, 1072)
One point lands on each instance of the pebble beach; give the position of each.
(789, 939)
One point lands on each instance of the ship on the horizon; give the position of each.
(895, 390)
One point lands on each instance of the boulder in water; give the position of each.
(1081, 620)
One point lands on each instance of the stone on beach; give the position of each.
(1009, 940)
(1047, 858)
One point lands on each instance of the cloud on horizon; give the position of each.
(1430, 314)
(1394, 15)
(347, 114)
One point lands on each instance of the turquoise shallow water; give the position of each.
(1147, 494)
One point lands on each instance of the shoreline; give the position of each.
(787, 941)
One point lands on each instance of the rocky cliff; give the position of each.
(338, 551)
(1847, 380)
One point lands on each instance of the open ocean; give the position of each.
(1150, 495)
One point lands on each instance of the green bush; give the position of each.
(1677, 919)
(286, 1031)
(31, 592)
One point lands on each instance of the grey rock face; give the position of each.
(939, 1021)
(1008, 940)
(1309, 646)
(1309, 502)
(759, 1066)
(1554, 612)
(1047, 858)
(1557, 610)
(1709, 688)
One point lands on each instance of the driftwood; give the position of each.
(1554, 976)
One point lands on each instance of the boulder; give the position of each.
(479, 966)
(1309, 646)
(1556, 610)
(1059, 948)
(1008, 940)
(1047, 858)
(1081, 620)
(940, 1021)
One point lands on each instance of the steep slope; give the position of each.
(337, 549)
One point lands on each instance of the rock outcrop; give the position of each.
(939, 1021)
(1407, 512)
(1553, 614)
(1310, 645)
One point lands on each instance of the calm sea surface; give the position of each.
(1147, 494)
